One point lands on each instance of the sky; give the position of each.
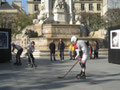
(24, 3)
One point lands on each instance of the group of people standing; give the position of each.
(73, 50)
(61, 47)
(91, 49)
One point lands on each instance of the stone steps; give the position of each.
(102, 52)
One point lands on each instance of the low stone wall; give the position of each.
(46, 53)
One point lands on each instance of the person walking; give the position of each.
(30, 49)
(81, 45)
(52, 48)
(96, 49)
(61, 47)
(90, 50)
(19, 52)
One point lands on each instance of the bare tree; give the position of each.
(93, 20)
(113, 17)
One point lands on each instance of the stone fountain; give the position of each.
(55, 21)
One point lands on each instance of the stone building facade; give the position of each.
(90, 6)
(109, 4)
(33, 6)
(63, 11)
(94, 6)
(15, 8)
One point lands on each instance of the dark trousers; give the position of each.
(31, 59)
(91, 55)
(52, 55)
(81, 53)
(18, 60)
(61, 55)
(95, 54)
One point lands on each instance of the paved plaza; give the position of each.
(101, 75)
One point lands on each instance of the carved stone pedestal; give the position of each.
(56, 32)
(53, 32)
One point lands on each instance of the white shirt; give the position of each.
(81, 45)
(30, 49)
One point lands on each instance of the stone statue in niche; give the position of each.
(60, 4)
(43, 15)
(42, 6)
(41, 18)
(77, 19)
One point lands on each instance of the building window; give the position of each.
(90, 7)
(36, 7)
(98, 7)
(82, 7)
(36, 0)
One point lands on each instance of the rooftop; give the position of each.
(5, 5)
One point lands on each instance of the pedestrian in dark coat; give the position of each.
(52, 48)
(61, 47)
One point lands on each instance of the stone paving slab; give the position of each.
(101, 75)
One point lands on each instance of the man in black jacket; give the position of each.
(61, 47)
(52, 48)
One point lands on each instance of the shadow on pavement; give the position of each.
(45, 76)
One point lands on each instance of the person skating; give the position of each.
(81, 45)
(61, 47)
(30, 49)
(52, 48)
(19, 52)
